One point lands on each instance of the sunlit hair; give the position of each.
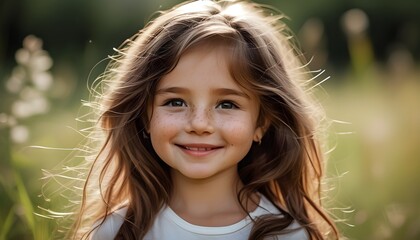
(287, 167)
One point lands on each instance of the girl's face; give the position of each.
(203, 123)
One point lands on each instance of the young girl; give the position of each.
(209, 133)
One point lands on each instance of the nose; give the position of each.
(200, 121)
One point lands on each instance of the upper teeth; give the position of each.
(198, 148)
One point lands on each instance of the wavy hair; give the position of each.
(287, 167)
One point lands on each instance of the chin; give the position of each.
(197, 173)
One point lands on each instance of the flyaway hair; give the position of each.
(287, 167)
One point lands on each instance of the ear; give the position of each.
(260, 131)
(258, 134)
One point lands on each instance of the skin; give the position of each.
(202, 125)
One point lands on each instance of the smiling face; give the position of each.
(202, 122)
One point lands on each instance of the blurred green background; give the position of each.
(50, 51)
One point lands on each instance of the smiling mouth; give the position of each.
(198, 148)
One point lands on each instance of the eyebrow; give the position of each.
(171, 90)
(230, 91)
(217, 91)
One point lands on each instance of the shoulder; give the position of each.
(293, 232)
(108, 229)
(266, 206)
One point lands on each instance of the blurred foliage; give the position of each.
(370, 48)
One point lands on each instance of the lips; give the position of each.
(198, 149)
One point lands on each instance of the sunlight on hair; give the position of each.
(122, 167)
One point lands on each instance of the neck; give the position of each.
(207, 192)
(211, 201)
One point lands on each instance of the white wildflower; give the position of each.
(23, 56)
(42, 80)
(32, 43)
(19, 134)
(355, 22)
(16, 81)
(29, 81)
(40, 61)
(21, 109)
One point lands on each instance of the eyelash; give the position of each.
(171, 102)
(233, 105)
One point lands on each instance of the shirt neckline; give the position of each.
(264, 207)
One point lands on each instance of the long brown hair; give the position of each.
(287, 167)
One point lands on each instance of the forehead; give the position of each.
(212, 61)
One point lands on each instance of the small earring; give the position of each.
(259, 141)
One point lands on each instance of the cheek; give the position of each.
(164, 124)
(238, 130)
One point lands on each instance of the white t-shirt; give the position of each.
(169, 226)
